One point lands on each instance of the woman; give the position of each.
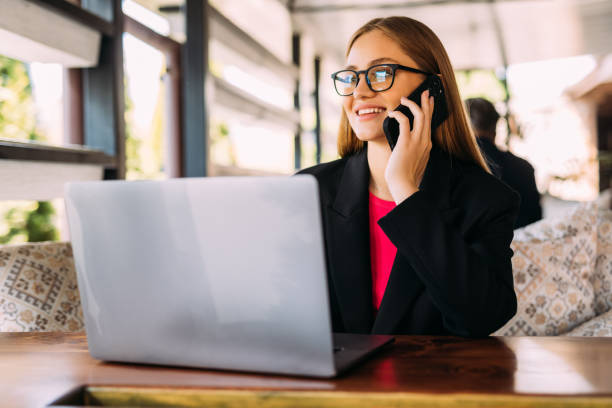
(418, 237)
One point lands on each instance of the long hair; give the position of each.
(454, 135)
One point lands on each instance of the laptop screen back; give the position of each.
(224, 272)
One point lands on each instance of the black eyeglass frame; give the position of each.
(394, 68)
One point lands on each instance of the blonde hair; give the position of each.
(454, 135)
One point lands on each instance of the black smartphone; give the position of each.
(440, 113)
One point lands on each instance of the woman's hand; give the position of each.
(409, 158)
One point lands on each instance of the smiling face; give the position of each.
(365, 109)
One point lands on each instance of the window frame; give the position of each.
(93, 150)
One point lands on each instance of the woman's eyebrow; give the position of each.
(373, 62)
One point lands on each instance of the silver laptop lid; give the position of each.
(224, 272)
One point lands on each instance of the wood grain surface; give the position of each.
(38, 368)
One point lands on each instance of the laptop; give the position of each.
(220, 273)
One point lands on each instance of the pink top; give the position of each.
(382, 251)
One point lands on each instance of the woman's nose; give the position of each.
(362, 88)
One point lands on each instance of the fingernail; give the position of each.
(426, 92)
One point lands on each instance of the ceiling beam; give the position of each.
(35, 31)
(78, 14)
(235, 98)
(235, 38)
(382, 6)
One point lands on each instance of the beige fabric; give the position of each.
(38, 289)
(601, 278)
(554, 265)
(600, 326)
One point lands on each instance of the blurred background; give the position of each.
(152, 89)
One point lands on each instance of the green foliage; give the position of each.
(221, 148)
(14, 218)
(132, 144)
(480, 83)
(39, 223)
(157, 128)
(35, 225)
(17, 109)
(144, 147)
(18, 121)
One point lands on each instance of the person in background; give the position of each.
(512, 170)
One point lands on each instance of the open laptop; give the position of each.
(223, 273)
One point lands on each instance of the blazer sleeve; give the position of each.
(469, 281)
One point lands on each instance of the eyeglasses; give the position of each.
(379, 78)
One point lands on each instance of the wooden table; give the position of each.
(424, 371)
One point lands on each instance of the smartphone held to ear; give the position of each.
(440, 113)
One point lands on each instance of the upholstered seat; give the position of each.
(38, 288)
(562, 273)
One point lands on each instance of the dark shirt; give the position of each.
(518, 174)
(452, 273)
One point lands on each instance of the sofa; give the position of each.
(562, 275)
(562, 271)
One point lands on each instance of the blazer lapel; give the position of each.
(350, 246)
(404, 285)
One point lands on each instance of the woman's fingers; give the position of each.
(409, 159)
(431, 107)
(402, 119)
(417, 126)
(425, 104)
(421, 126)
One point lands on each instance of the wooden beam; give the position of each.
(297, 138)
(103, 93)
(12, 150)
(235, 98)
(327, 8)
(78, 14)
(317, 129)
(73, 107)
(42, 180)
(33, 32)
(225, 31)
(151, 37)
(118, 89)
(195, 68)
(174, 109)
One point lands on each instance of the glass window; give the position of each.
(145, 116)
(254, 142)
(31, 101)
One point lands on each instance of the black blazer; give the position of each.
(519, 175)
(452, 272)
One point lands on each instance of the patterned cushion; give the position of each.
(601, 326)
(38, 289)
(601, 278)
(555, 274)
